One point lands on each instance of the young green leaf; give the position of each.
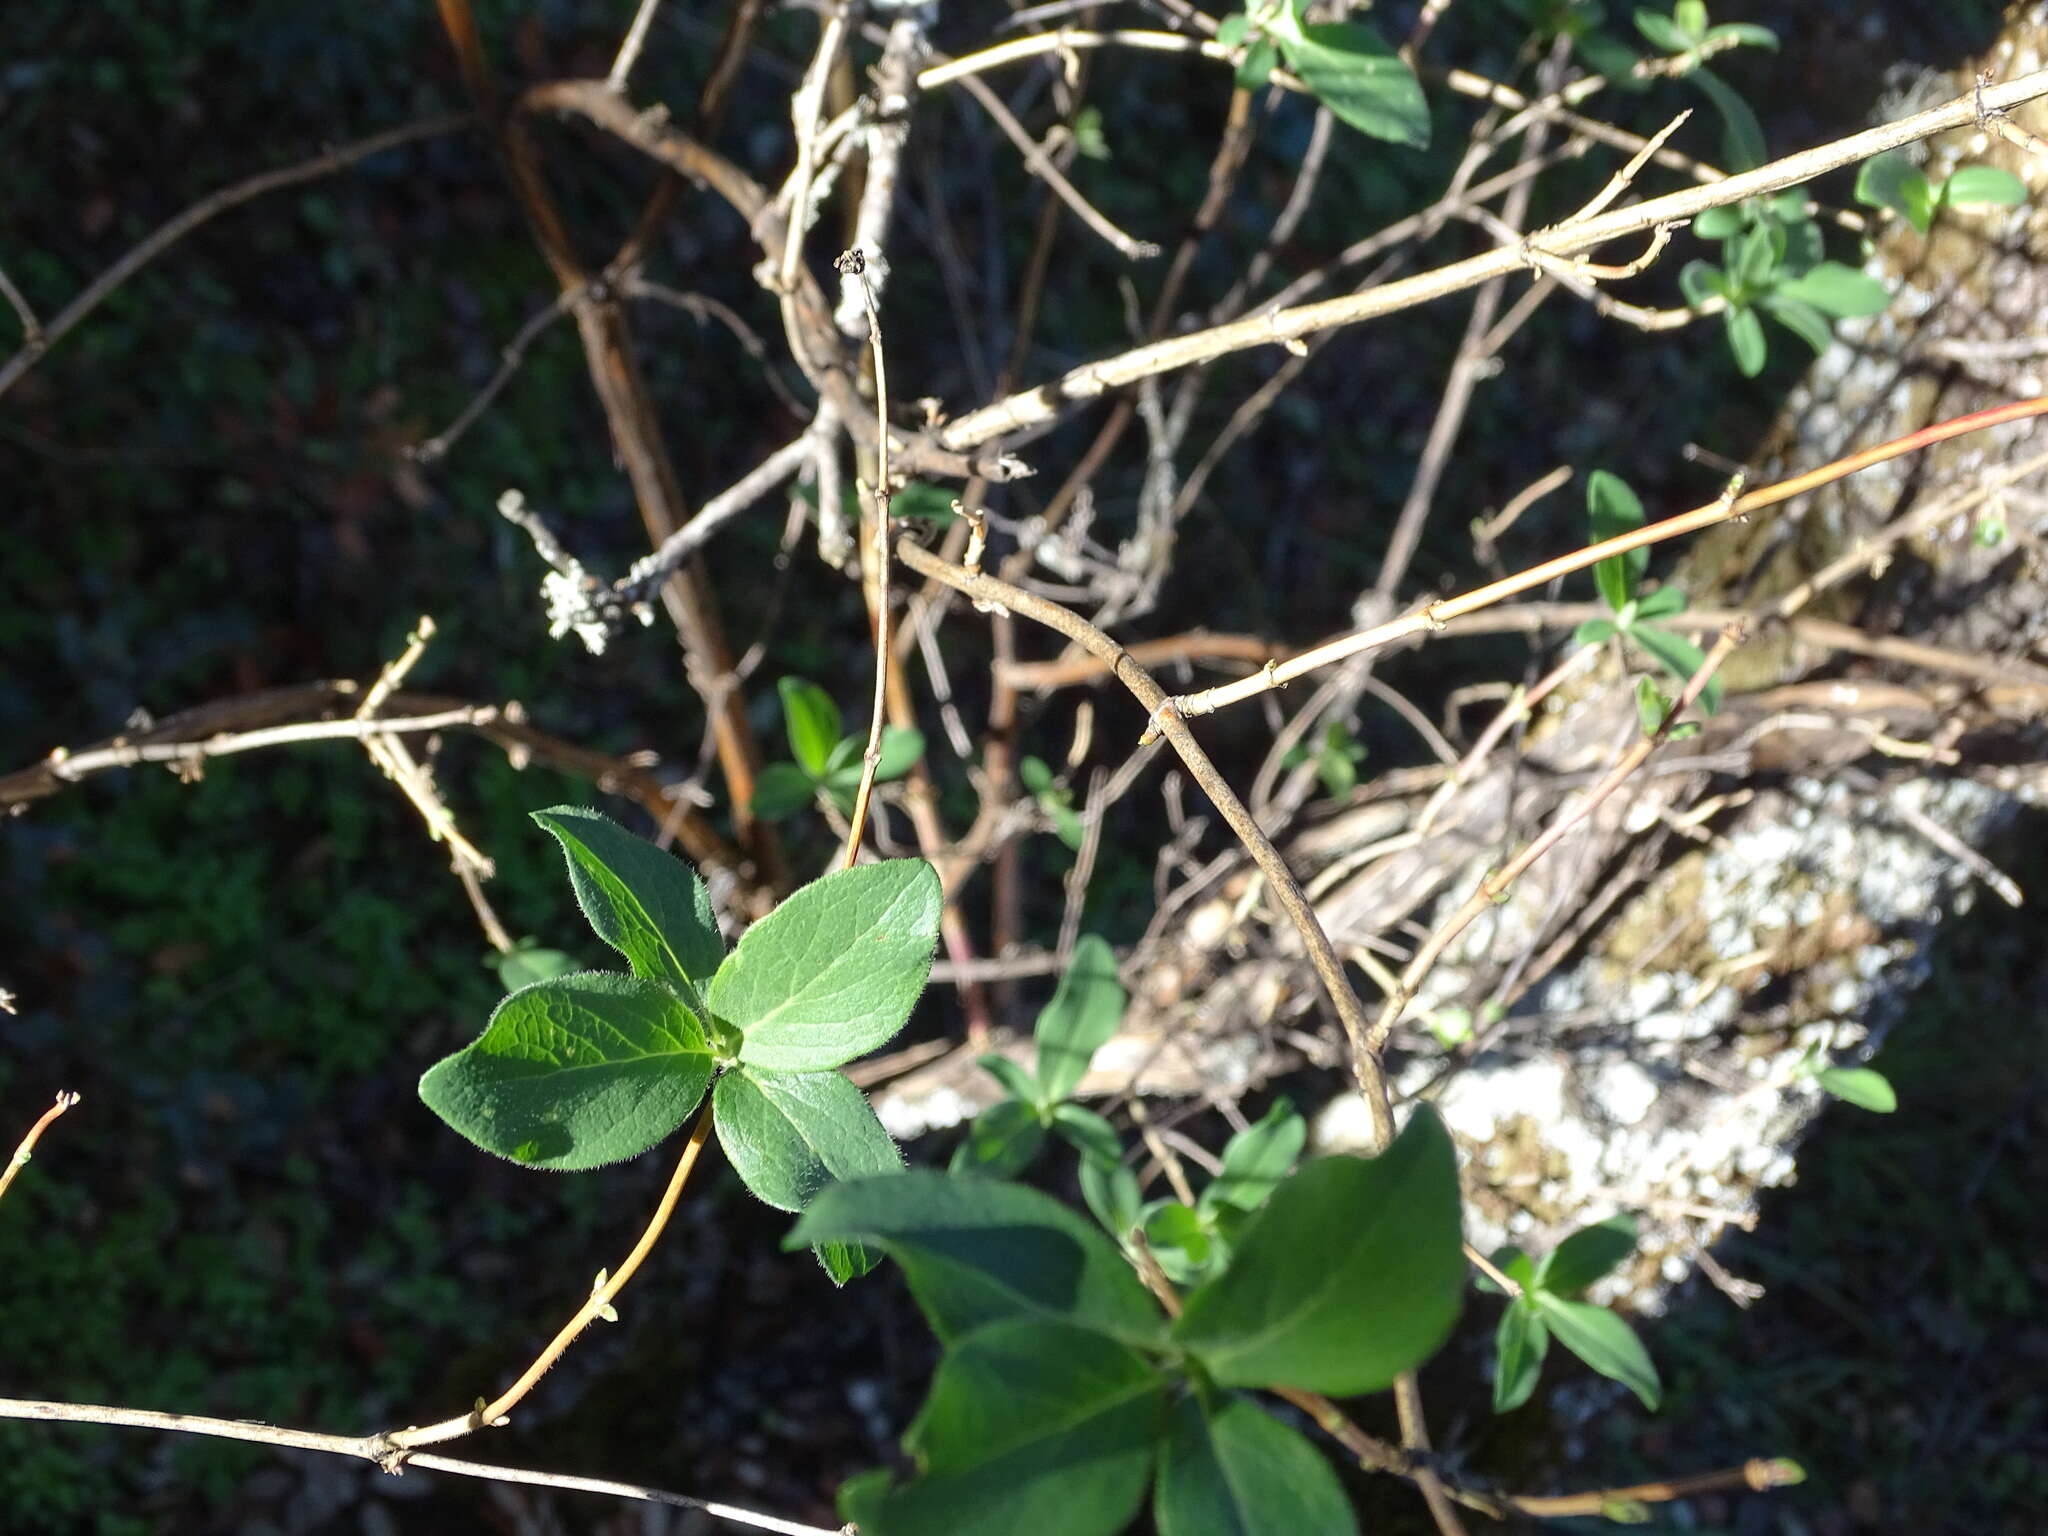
(1690, 17)
(1030, 1426)
(1001, 1141)
(1083, 1014)
(1519, 1345)
(1230, 1469)
(781, 791)
(1701, 282)
(1256, 1159)
(813, 722)
(1679, 657)
(1351, 70)
(1651, 705)
(1801, 319)
(646, 904)
(977, 1250)
(1891, 180)
(1350, 1275)
(1087, 1133)
(1586, 1255)
(934, 503)
(1666, 601)
(1741, 34)
(523, 967)
(1613, 510)
(1603, 1341)
(789, 1134)
(1745, 339)
(1984, 184)
(1113, 1197)
(835, 970)
(1595, 632)
(1513, 1263)
(1723, 223)
(1660, 31)
(575, 1072)
(1839, 290)
(1859, 1086)
(1016, 1079)
(1742, 136)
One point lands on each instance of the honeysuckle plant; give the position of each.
(1549, 1304)
(1346, 65)
(828, 758)
(1891, 181)
(1634, 616)
(1068, 1389)
(582, 1069)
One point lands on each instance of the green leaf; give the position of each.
(1091, 144)
(1742, 34)
(1604, 1342)
(1257, 68)
(977, 1250)
(1859, 1086)
(1001, 1141)
(1257, 1158)
(1746, 340)
(1519, 1345)
(1015, 1077)
(1881, 180)
(646, 904)
(789, 1134)
(901, 748)
(835, 970)
(1088, 1133)
(1113, 1196)
(1586, 1255)
(1679, 657)
(813, 722)
(1230, 1469)
(1838, 290)
(523, 967)
(1350, 1275)
(1690, 17)
(934, 503)
(1031, 1426)
(1984, 184)
(1701, 281)
(575, 1072)
(1753, 259)
(1175, 1230)
(1801, 319)
(1513, 1263)
(1035, 776)
(1722, 223)
(1351, 70)
(1081, 1017)
(782, 790)
(1595, 632)
(1337, 771)
(1651, 705)
(1742, 136)
(1232, 30)
(1662, 32)
(1667, 600)
(1608, 55)
(1612, 509)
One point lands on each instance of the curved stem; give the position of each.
(493, 1413)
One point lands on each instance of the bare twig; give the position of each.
(509, 359)
(851, 264)
(371, 1448)
(629, 50)
(27, 1144)
(1046, 403)
(598, 1304)
(175, 229)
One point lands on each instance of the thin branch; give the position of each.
(509, 359)
(27, 1145)
(629, 50)
(1329, 969)
(1434, 616)
(370, 1448)
(31, 327)
(598, 1304)
(175, 229)
(73, 766)
(852, 264)
(1047, 402)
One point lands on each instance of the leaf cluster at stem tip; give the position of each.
(577, 1070)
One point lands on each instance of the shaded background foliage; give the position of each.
(251, 1215)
